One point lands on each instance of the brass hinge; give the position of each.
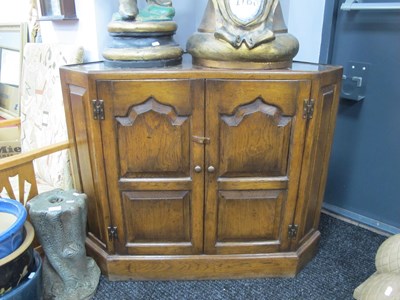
(308, 108)
(112, 233)
(292, 231)
(98, 109)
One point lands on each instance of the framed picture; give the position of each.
(13, 37)
(53, 10)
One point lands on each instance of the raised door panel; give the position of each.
(266, 144)
(257, 132)
(260, 211)
(148, 221)
(164, 139)
(157, 199)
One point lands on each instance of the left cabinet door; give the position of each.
(154, 188)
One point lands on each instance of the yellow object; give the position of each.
(385, 283)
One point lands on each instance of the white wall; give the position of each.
(94, 15)
(14, 11)
(90, 30)
(186, 12)
(103, 12)
(305, 22)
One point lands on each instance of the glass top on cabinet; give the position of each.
(187, 66)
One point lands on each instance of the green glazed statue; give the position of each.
(143, 38)
(156, 10)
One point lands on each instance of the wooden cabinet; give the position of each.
(200, 173)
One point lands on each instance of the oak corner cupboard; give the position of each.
(197, 173)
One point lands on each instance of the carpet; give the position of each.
(345, 258)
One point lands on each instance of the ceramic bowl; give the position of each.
(12, 218)
(15, 267)
(31, 288)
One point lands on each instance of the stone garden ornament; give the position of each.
(143, 38)
(247, 34)
(59, 218)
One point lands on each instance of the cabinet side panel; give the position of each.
(95, 222)
(320, 158)
(316, 156)
(327, 140)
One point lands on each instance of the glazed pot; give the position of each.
(12, 217)
(15, 267)
(31, 288)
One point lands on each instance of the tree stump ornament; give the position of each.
(59, 218)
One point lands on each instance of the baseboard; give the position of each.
(359, 220)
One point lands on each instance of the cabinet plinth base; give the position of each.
(202, 267)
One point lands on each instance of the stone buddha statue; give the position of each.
(243, 34)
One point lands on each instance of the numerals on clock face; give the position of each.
(246, 10)
(246, 2)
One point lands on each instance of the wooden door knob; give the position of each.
(197, 169)
(211, 169)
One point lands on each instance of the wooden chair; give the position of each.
(44, 139)
(10, 122)
(22, 165)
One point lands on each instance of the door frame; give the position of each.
(328, 31)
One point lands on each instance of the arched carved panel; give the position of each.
(254, 141)
(151, 105)
(257, 106)
(153, 141)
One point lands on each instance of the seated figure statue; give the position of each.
(155, 10)
(143, 36)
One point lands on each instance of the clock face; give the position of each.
(246, 11)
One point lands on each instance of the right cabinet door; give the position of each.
(252, 163)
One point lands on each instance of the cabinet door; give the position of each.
(155, 196)
(253, 162)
